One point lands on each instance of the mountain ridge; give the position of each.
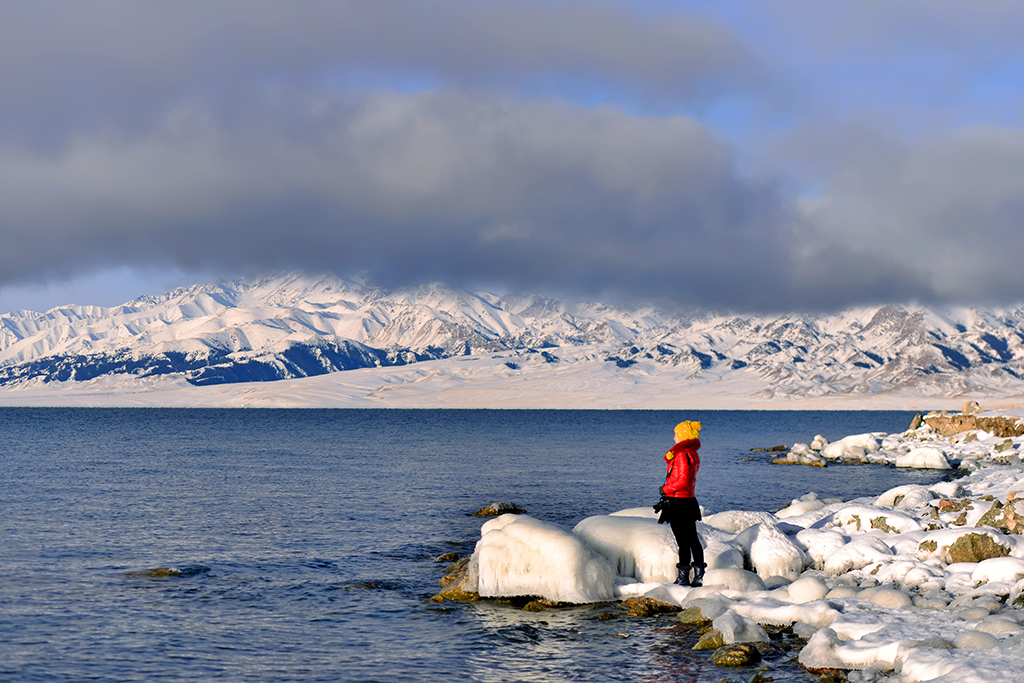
(291, 326)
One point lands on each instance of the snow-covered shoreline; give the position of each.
(917, 584)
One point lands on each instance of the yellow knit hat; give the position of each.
(687, 430)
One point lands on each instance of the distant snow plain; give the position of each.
(482, 381)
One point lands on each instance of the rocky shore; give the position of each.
(918, 584)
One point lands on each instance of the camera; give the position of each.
(661, 504)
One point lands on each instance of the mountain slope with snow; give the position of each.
(288, 327)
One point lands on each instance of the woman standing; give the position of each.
(682, 510)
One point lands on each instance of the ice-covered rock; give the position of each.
(965, 544)
(825, 650)
(737, 629)
(519, 555)
(722, 555)
(858, 553)
(733, 579)
(975, 640)
(1001, 569)
(909, 495)
(924, 458)
(861, 518)
(835, 450)
(948, 489)
(804, 457)
(799, 507)
(645, 512)
(820, 543)
(735, 521)
(773, 554)
(806, 589)
(637, 547)
(886, 597)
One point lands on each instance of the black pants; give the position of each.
(683, 514)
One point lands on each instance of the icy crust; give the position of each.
(917, 584)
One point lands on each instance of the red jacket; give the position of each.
(681, 469)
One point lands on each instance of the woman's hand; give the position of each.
(661, 490)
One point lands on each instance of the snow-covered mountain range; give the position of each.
(518, 350)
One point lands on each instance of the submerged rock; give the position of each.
(692, 616)
(712, 640)
(741, 654)
(155, 573)
(501, 508)
(648, 607)
(457, 584)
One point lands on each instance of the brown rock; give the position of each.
(948, 425)
(712, 640)
(916, 422)
(994, 517)
(648, 607)
(975, 548)
(1004, 446)
(740, 654)
(1013, 514)
(495, 509)
(692, 616)
(454, 584)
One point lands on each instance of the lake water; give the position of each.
(303, 540)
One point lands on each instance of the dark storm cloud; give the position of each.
(412, 187)
(946, 210)
(447, 140)
(65, 67)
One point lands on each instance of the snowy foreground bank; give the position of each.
(918, 584)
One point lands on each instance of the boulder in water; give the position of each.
(740, 654)
(497, 509)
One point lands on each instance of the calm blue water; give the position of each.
(305, 538)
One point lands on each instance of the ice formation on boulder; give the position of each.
(637, 547)
(520, 555)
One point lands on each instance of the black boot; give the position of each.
(684, 574)
(698, 575)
